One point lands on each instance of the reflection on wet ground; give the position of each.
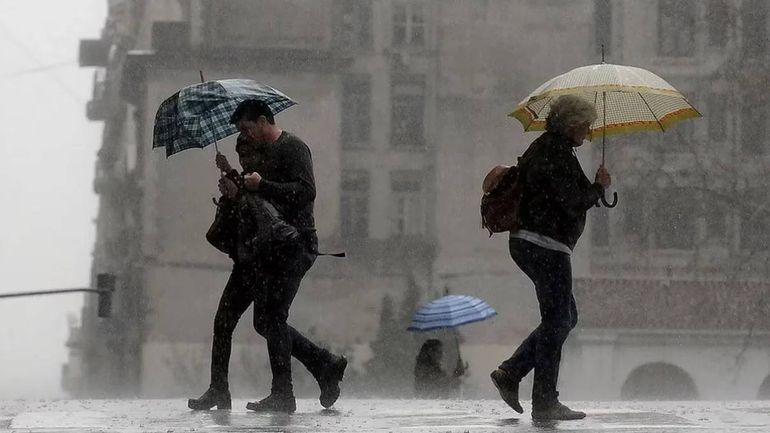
(373, 415)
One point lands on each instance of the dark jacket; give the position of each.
(286, 167)
(430, 381)
(288, 185)
(555, 192)
(247, 227)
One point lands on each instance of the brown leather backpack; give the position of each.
(500, 202)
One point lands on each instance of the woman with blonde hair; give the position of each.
(556, 195)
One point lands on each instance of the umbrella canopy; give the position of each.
(450, 311)
(627, 99)
(199, 115)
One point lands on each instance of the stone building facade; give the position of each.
(404, 105)
(675, 303)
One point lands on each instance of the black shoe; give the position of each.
(508, 389)
(329, 381)
(212, 397)
(556, 411)
(274, 403)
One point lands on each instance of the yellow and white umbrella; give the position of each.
(627, 99)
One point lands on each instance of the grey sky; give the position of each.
(47, 149)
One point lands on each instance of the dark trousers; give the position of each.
(551, 272)
(272, 296)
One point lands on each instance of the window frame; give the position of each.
(676, 29)
(355, 187)
(411, 12)
(356, 128)
(408, 203)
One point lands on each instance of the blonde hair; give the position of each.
(568, 112)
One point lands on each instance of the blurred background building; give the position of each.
(404, 105)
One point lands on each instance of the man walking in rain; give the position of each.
(556, 195)
(278, 169)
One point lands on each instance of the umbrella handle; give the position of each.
(614, 200)
(459, 364)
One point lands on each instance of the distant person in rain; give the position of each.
(430, 380)
(277, 169)
(556, 195)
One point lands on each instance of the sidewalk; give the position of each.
(377, 416)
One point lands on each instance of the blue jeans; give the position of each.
(551, 272)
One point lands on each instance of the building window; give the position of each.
(753, 125)
(408, 205)
(718, 16)
(603, 25)
(246, 24)
(684, 134)
(356, 108)
(355, 24)
(754, 19)
(407, 112)
(408, 24)
(354, 204)
(755, 222)
(678, 138)
(600, 227)
(716, 222)
(716, 107)
(480, 11)
(676, 28)
(674, 218)
(633, 216)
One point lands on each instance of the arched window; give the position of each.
(659, 381)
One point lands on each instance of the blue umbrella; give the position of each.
(199, 115)
(450, 311)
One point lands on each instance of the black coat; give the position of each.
(555, 192)
(430, 381)
(288, 185)
(286, 167)
(255, 236)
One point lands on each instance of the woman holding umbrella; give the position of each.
(556, 195)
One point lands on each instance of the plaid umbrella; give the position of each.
(199, 115)
(450, 311)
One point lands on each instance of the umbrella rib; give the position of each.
(596, 98)
(651, 112)
(537, 114)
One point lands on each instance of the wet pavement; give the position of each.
(378, 416)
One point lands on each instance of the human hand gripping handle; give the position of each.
(224, 167)
(604, 179)
(227, 187)
(222, 163)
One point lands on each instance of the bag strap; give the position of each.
(340, 254)
(315, 250)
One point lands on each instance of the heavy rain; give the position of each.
(385, 215)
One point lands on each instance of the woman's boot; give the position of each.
(212, 397)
